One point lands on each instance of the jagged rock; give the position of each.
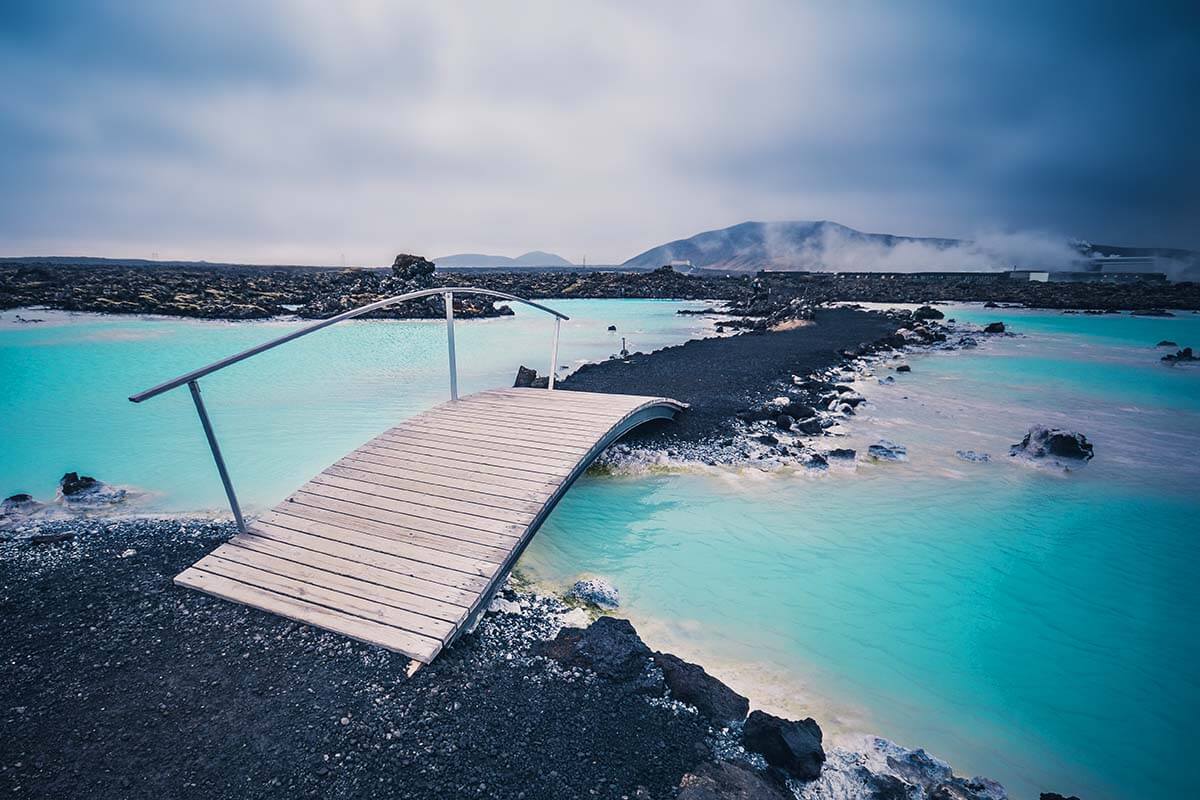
(1165, 343)
(85, 489)
(525, 377)
(794, 747)
(968, 342)
(841, 452)
(927, 312)
(767, 438)
(597, 592)
(610, 647)
(690, 684)
(72, 484)
(784, 422)
(612, 327)
(904, 368)
(412, 268)
(1183, 355)
(818, 461)
(20, 503)
(1055, 796)
(722, 780)
(1041, 442)
(885, 450)
(994, 327)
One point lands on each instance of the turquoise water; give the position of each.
(281, 416)
(1032, 626)
(1029, 625)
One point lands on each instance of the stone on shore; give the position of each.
(1042, 442)
(994, 327)
(596, 592)
(610, 647)
(723, 780)
(794, 747)
(841, 452)
(690, 683)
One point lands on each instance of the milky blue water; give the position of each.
(1030, 625)
(281, 416)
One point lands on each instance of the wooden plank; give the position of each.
(493, 458)
(599, 409)
(457, 521)
(408, 575)
(502, 496)
(581, 428)
(526, 429)
(458, 505)
(563, 395)
(520, 503)
(561, 411)
(410, 455)
(451, 538)
(388, 554)
(479, 480)
(325, 589)
(480, 447)
(422, 648)
(441, 544)
(476, 432)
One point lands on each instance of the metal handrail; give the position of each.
(325, 323)
(192, 379)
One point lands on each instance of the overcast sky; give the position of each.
(305, 131)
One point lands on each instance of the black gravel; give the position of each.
(719, 377)
(117, 684)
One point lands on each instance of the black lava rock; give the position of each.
(794, 747)
(1167, 343)
(784, 422)
(690, 684)
(1056, 796)
(722, 780)
(841, 452)
(525, 377)
(994, 327)
(904, 368)
(73, 484)
(1041, 442)
(927, 312)
(412, 268)
(610, 647)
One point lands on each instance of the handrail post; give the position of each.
(449, 298)
(554, 355)
(194, 386)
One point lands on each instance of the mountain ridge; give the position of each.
(534, 258)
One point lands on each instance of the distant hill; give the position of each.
(776, 245)
(534, 258)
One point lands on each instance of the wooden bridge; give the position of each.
(403, 542)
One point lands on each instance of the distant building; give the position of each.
(681, 263)
(1084, 275)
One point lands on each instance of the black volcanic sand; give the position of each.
(719, 377)
(118, 684)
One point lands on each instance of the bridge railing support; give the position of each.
(192, 379)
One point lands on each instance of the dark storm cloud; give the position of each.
(299, 131)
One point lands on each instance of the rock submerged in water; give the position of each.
(84, 489)
(879, 769)
(994, 327)
(841, 452)
(794, 747)
(528, 379)
(971, 455)
(885, 450)
(689, 683)
(927, 312)
(597, 592)
(1183, 355)
(1042, 442)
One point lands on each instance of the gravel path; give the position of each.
(118, 684)
(722, 376)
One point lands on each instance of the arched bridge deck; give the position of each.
(402, 542)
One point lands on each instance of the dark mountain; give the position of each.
(534, 258)
(773, 245)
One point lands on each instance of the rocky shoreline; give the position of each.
(249, 292)
(122, 685)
